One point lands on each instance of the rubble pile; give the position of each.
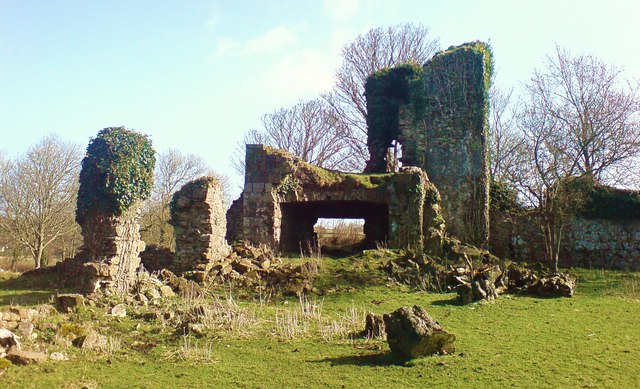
(476, 280)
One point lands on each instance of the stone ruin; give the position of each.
(437, 114)
(284, 196)
(199, 224)
(111, 250)
(116, 177)
(440, 120)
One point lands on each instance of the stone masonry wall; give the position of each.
(111, 250)
(605, 243)
(456, 129)
(199, 222)
(283, 197)
(439, 114)
(600, 243)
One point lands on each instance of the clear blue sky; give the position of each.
(195, 75)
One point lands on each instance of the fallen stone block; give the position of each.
(92, 341)
(69, 302)
(8, 341)
(119, 310)
(412, 333)
(374, 326)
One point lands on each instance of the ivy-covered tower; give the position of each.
(438, 113)
(116, 176)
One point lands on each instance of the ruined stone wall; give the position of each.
(111, 250)
(234, 220)
(456, 127)
(440, 116)
(605, 243)
(283, 198)
(588, 242)
(200, 226)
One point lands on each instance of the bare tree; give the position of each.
(332, 131)
(579, 121)
(37, 195)
(543, 176)
(596, 114)
(505, 140)
(173, 170)
(377, 49)
(309, 130)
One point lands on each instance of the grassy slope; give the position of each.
(591, 340)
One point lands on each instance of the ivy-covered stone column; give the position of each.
(116, 177)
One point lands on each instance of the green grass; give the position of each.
(591, 340)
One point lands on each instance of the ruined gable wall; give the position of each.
(439, 113)
(456, 127)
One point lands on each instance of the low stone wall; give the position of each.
(200, 225)
(605, 243)
(601, 243)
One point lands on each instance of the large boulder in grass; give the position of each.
(555, 285)
(412, 333)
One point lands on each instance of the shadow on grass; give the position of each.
(26, 298)
(381, 359)
(29, 289)
(456, 301)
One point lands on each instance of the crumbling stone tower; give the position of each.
(438, 113)
(116, 176)
(200, 225)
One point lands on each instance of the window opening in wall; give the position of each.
(394, 156)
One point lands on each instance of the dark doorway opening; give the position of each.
(299, 219)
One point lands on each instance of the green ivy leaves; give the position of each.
(117, 171)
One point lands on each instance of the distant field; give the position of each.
(22, 265)
(589, 341)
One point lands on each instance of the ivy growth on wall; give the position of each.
(605, 202)
(386, 90)
(117, 171)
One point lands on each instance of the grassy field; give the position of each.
(591, 340)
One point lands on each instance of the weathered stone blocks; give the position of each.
(282, 203)
(111, 250)
(200, 226)
(441, 121)
(412, 333)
